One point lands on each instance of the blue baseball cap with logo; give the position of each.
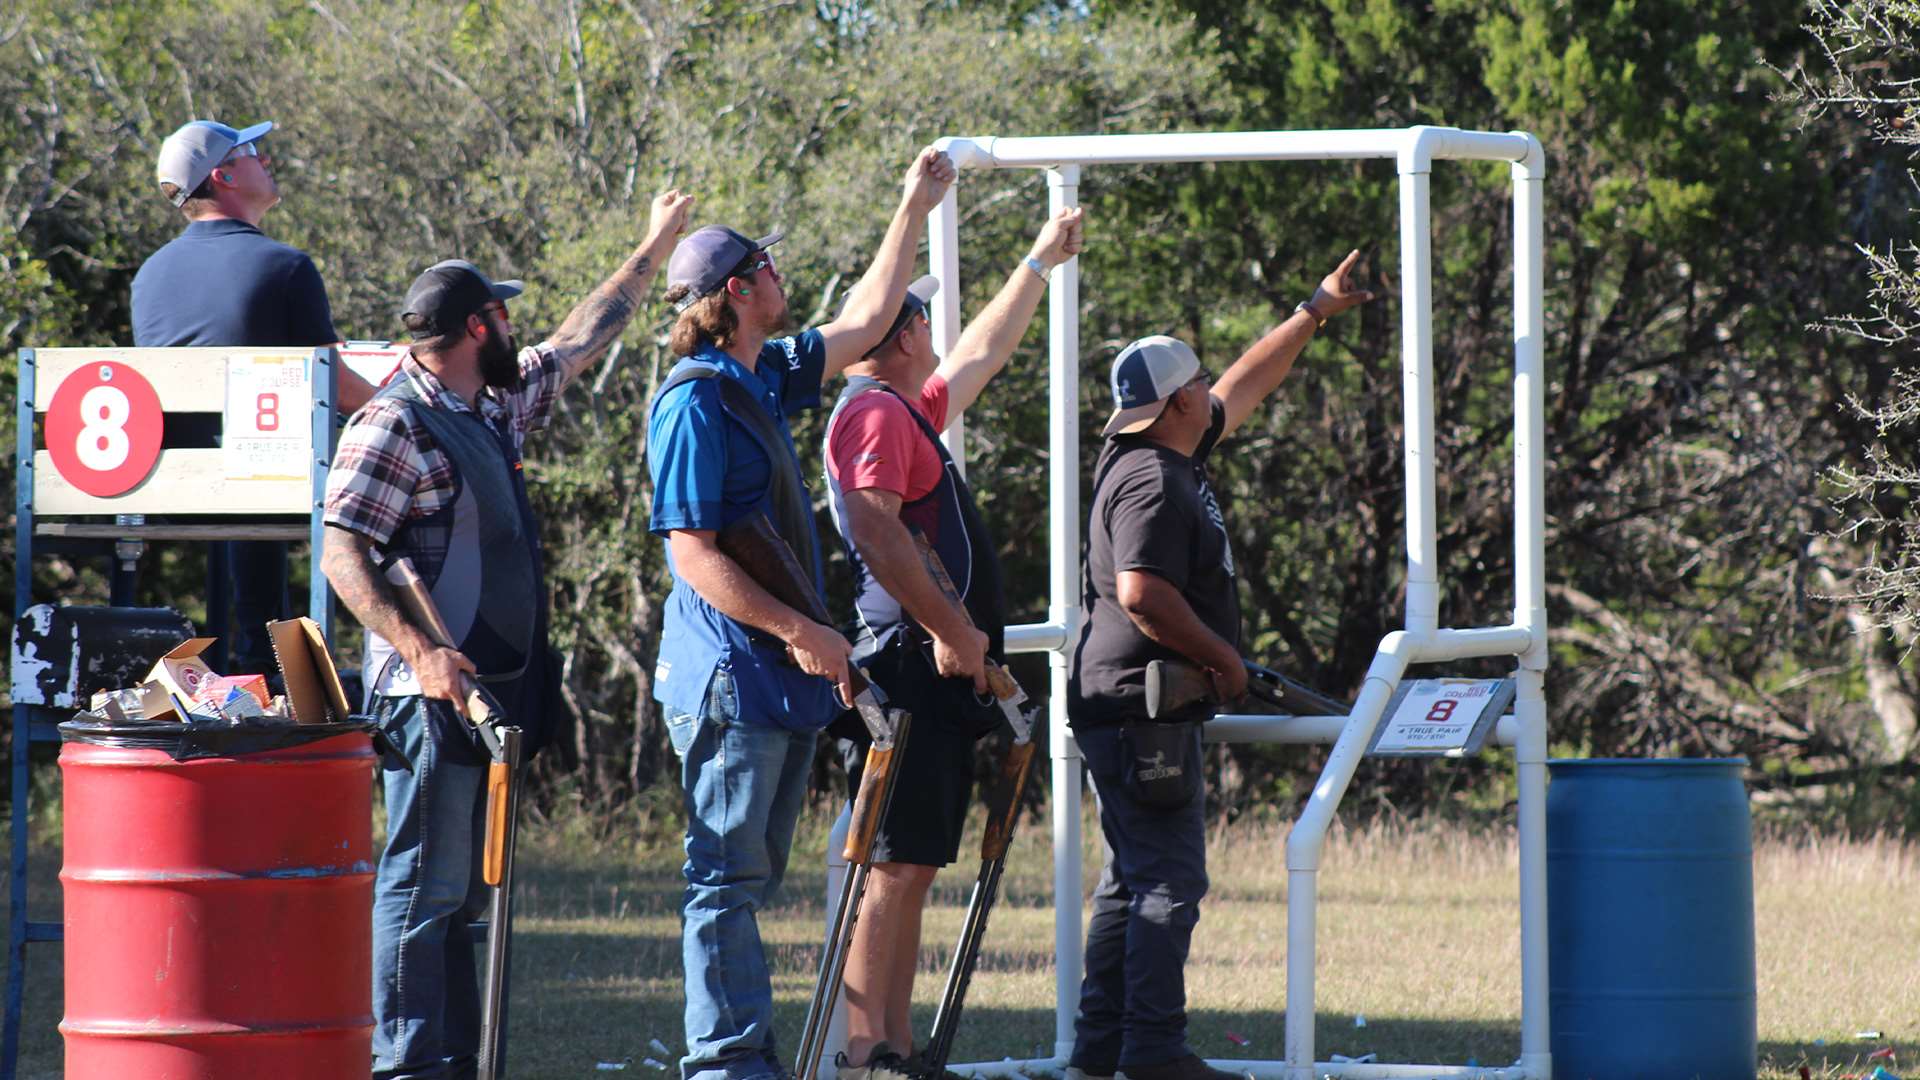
(707, 257)
(196, 149)
(1145, 375)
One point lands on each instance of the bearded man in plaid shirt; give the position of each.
(430, 469)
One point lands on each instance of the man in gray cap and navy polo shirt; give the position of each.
(1160, 586)
(741, 717)
(224, 282)
(430, 469)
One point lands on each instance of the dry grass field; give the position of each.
(1418, 934)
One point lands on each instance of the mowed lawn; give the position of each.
(1418, 935)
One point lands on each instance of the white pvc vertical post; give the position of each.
(1416, 376)
(1063, 583)
(1530, 598)
(943, 254)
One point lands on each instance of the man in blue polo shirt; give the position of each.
(224, 282)
(745, 680)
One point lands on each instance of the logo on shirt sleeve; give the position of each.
(792, 346)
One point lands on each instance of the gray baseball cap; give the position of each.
(707, 257)
(197, 148)
(1145, 375)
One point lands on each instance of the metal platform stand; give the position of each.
(184, 378)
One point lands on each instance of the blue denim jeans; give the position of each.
(742, 785)
(427, 890)
(1133, 1001)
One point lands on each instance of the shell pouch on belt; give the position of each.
(1162, 763)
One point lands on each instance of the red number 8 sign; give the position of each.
(103, 429)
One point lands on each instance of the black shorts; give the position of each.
(930, 798)
(935, 785)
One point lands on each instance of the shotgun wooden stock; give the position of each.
(767, 558)
(1173, 685)
(870, 804)
(1004, 810)
(494, 858)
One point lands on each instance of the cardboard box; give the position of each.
(181, 671)
(313, 684)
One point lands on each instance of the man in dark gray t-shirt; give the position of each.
(1160, 586)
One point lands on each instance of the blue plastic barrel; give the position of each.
(1650, 920)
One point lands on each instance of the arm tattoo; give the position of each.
(593, 325)
(348, 563)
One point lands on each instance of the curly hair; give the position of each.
(710, 321)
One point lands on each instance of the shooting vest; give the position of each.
(485, 568)
(786, 503)
(772, 691)
(948, 518)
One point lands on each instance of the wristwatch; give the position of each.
(1319, 320)
(1036, 266)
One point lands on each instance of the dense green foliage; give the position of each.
(1694, 228)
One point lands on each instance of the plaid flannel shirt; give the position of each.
(386, 470)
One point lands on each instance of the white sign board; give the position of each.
(267, 434)
(1441, 717)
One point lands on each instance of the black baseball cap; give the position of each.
(448, 291)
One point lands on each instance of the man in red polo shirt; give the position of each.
(890, 479)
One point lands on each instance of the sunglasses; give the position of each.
(250, 149)
(761, 260)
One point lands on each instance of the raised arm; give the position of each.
(875, 300)
(1261, 369)
(989, 340)
(346, 557)
(591, 327)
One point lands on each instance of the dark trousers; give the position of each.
(254, 574)
(1133, 1000)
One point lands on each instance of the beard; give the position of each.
(500, 362)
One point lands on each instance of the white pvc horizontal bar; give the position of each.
(1423, 144)
(1036, 637)
(1308, 730)
(1010, 1069)
(1466, 644)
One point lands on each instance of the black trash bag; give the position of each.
(191, 742)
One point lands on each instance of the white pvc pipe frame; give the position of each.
(1423, 640)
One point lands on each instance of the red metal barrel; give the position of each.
(219, 913)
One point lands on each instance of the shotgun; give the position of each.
(1005, 690)
(502, 740)
(1173, 685)
(1003, 813)
(765, 556)
(877, 783)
